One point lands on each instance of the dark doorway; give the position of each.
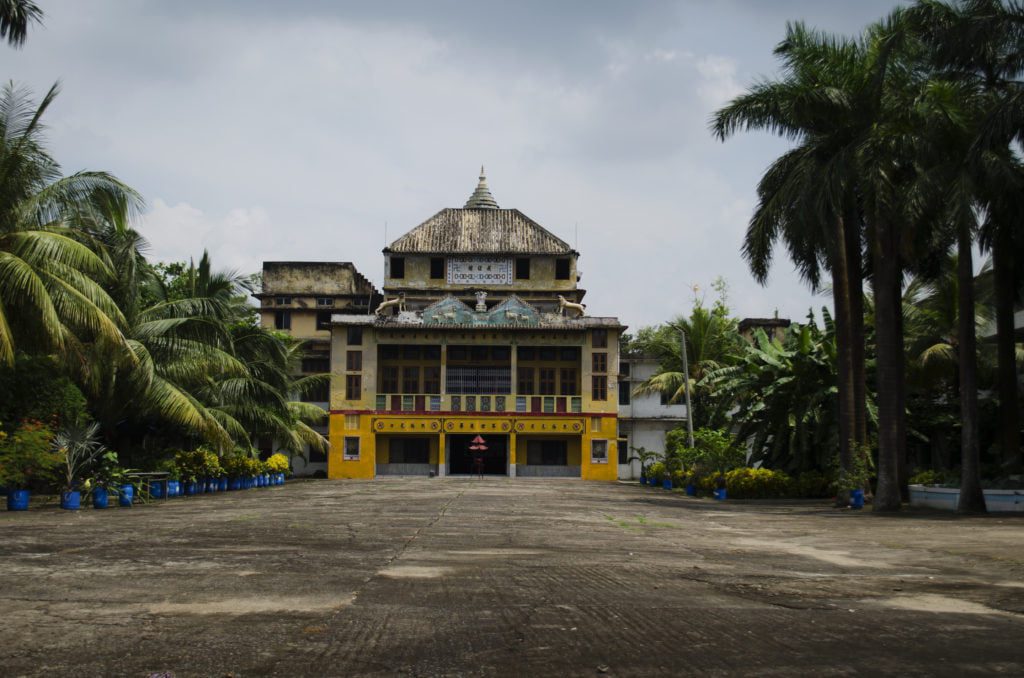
(461, 458)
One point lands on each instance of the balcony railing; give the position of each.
(505, 403)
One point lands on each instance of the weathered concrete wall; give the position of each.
(417, 277)
(313, 278)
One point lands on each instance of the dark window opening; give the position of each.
(547, 381)
(323, 320)
(623, 392)
(354, 361)
(282, 320)
(567, 383)
(409, 451)
(562, 269)
(355, 336)
(623, 368)
(524, 385)
(600, 339)
(436, 268)
(432, 380)
(600, 362)
(599, 388)
(410, 380)
(522, 269)
(398, 267)
(389, 379)
(665, 398)
(318, 393)
(353, 387)
(547, 453)
(316, 365)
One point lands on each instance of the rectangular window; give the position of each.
(479, 354)
(547, 381)
(595, 424)
(527, 353)
(598, 451)
(624, 368)
(282, 320)
(389, 379)
(353, 387)
(457, 353)
(431, 352)
(547, 453)
(324, 301)
(501, 353)
(547, 353)
(600, 363)
(351, 448)
(569, 354)
(323, 320)
(410, 353)
(410, 380)
(562, 269)
(409, 451)
(398, 267)
(352, 422)
(283, 301)
(436, 268)
(623, 392)
(354, 361)
(355, 336)
(317, 393)
(599, 388)
(665, 398)
(316, 365)
(600, 339)
(567, 383)
(522, 268)
(431, 379)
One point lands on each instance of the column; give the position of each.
(512, 453)
(442, 442)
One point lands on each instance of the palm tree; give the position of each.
(980, 44)
(50, 292)
(15, 17)
(808, 197)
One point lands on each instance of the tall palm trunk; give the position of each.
(972, 500)
(841, 301)
(1006, 288)
(855, 271)
(887, 278)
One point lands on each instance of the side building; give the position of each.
(482, 359)
(299, 297)
(644, 419)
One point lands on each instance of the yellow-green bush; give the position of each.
(656, 470)
(757, 483)
(277, 463)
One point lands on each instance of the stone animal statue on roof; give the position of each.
(564, 304)
(398, 301)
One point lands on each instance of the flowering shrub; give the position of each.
(235, 465)
(278, 463)
(27, 454)
(656, 471)
(198, 463)
(758, 483)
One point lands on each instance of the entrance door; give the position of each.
(461, 459)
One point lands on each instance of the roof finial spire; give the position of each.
(482, 198)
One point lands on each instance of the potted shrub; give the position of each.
(26, 455)
(853, 481)
(277, 465)
(173, 477)
(644, 456)
(107, 476)
(79, 446)
(656, 474)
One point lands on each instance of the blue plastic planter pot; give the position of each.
(666, 484)
(158, 489)
(720, 494)
(210, 484)
(691, 490)
(17, 500)
(222, 484)
(280, 479)
(100, 498)
(191, 487)
(124, 498)
(235, 484)
(173, 488)
(259, 481)
(856, 499)
(71, 501)
(266, 480)
(643, 480)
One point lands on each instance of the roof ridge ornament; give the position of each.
(481, 198)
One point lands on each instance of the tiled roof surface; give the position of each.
(480, 231)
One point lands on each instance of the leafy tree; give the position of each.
(15, 18)
(50, 300)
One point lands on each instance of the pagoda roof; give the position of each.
(481, 227)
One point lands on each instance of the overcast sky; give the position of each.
(296, 130)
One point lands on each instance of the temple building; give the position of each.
(481, 359)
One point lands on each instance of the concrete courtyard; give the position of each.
(427, 577)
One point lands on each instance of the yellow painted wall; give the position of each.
(608, 430)
(303, 322)
(337, 465)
